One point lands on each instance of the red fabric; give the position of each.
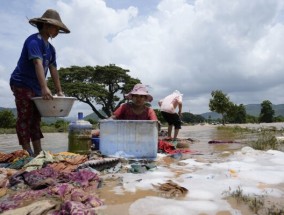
(169, 148)
(222, 141)
(125, 112)
(28, 120)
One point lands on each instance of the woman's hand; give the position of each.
(60, 93)
(46, 93)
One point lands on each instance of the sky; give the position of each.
(194, 46)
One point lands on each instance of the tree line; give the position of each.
(233, 113)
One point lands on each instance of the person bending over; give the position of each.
(168, 106)
(29, 78)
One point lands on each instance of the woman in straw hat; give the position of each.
(136, 109)
(29, 77)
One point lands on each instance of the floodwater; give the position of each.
(201, 134)
(54, 142)
(58, 142)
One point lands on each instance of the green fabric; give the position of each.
(38, 161)
(141, 168)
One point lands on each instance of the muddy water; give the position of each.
(58, 142)
(54, 142)
(201, 135)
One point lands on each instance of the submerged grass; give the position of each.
(266, 140)
(257, 204)
(258, 138)
(235, 128)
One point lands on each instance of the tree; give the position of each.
(236, 113)
(266, 112)
(191, 118)
(220, 103)
(251, 119)
(159, 116)
(278, 118)
(101, 87)
(61, 125)
(7, 119)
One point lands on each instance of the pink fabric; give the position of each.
(125, 112)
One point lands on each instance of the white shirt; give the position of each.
(170, 102)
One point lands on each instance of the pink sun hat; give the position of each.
(139, 89)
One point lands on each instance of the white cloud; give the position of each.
(193, 46)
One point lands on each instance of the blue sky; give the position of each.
(192, 46)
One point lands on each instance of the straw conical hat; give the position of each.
(51, 17)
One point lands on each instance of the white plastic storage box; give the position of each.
(129, 138)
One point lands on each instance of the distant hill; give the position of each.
(251, 109)
(212, 115)
(14, 110)
(92, 116)
(254, 109)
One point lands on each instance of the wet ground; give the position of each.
(200, 134)
(120, 203)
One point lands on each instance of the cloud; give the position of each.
(193, 46)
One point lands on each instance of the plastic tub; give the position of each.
(129, 138)
(59, 106)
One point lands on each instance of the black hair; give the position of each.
(39, 25)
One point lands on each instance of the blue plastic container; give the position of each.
(96, 143)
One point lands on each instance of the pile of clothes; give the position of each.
(63, 183)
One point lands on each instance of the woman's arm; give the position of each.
(56, 80)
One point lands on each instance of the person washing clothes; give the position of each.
(136, 109)
(29, 78)
(168, 106)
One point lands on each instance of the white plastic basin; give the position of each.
(59, 106)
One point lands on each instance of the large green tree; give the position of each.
(266, 112)
(237, 113)
(101, 87)
(220, 103)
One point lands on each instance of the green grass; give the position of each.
(7, 131)
(266, 140)
(235, 129)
